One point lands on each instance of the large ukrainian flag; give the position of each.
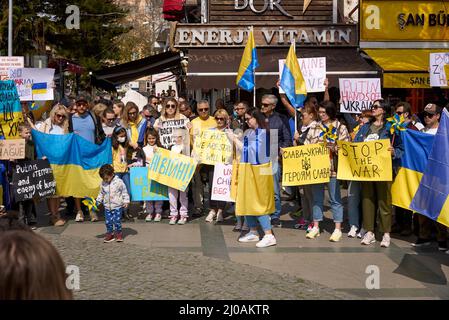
(248, 65)
(292, 80)
(417, 147)
(432, 197)
(75, 162)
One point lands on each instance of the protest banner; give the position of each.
(304, 165)
(10, 110)
(212, 147)
(358, 94)
(32, 179)
(313, 70)
(364, 161)
(33, 84)
(221, 186)
(171, 169)
(143, 189)
(12, 149)
(167, 128)
(7, 63)
(438, 76)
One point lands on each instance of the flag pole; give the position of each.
(254, 76)
(296, 111)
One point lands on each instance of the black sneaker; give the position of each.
(421, 243)
(442, 245)
(275, 222)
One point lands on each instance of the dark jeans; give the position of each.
(27, 212)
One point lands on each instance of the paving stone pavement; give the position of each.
(129, 271)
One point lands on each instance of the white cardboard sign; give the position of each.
(313, 70)
(33, 84)
(221, 186)
(437, 75)
(358, 94)
(7, 63)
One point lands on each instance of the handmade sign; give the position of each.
(364, 161)
(12, 149)
(308, 164)
(358, 94)
(212, 147)
(33, 84)
(143, 189)
(171, 169)
(313, 70)
(221, 186)
(32, 179)
(437, 64)
(7, 63)
(10, 110)
(166, 131)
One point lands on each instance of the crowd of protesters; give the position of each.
(135, 139)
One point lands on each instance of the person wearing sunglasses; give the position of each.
(404, 109)
(134, 124)
(108, 121)
(432, 114)
(204, 121)
(376, 196)
(57, 123)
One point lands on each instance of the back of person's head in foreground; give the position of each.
(31, 268)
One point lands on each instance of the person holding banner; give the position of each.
(255, 189)
(217, 207)
(134, 124)
(152, 143)
(327, 131)
(376, 195)
(57, 123)
(309, 117)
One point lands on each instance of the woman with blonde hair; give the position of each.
(134, 124)
(119, 108)
(98, 109)
(57, 123)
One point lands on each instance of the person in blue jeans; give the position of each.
(114, 196)
(328, 116)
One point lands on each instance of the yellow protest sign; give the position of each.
(364, 161)
(171, 169)
(307, 164)
(212, 147)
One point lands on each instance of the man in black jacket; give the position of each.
(277, 122)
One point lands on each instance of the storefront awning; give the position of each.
(133, 70)
(403, 68)
(217, 68)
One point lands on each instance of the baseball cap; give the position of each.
(431, 108)
(81, 99)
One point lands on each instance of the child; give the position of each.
(121, 156)
(151, 144)
(114, 197)
(27, 208)
(180, 148)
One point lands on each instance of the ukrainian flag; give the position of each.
(248, 65)
(292, 81)
(417, 147)
(432, 196)
(39, 88)
(75, 162)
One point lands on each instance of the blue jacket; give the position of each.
(280, 122)
(383, 134)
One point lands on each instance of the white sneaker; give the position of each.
(353, 232)
(79, 216)
(385, 240)
(369, 238)
(313, 233)
(268, 240)
(158, 217)
(173, 220)
(210, 217)
(182, 220)
(149, 218)
(219, 216)
(336, 235)
(361, 233)
(249, 237)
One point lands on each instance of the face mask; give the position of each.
(121, 139)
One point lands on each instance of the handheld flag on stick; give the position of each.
(395, 125)
(248, 65)
(292, 80)
(91, 203)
